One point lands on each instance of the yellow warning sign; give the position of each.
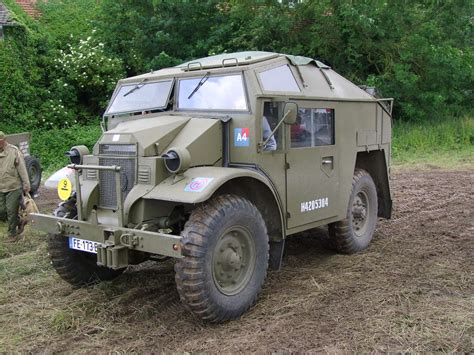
(64, 189)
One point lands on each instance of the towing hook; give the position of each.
(129, 240)
(59, 227)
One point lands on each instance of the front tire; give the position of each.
(355, 232)
(225, 248)
(76, 267)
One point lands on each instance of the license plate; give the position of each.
(83, 245)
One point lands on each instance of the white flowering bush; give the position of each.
(86, 76)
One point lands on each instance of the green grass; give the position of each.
(447, 144)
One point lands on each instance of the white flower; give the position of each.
(65, 84)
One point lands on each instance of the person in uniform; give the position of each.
(13, 182)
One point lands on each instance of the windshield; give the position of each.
(140, 97)
(213, 93)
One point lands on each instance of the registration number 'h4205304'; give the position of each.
(83, 245)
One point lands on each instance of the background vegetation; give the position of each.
(58, 71)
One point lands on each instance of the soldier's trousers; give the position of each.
(9, 204)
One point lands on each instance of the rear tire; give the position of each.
(225, 248)
(76, 267)
(33, 167)
(355, 232)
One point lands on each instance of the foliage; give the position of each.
(46, 81)
(52, 74)
(153, 34)
(51, 144)
(67, 21)
(19, 75)
(89, 71)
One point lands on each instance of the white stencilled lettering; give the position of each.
(315, 204)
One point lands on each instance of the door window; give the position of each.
(272, 112)
(314, 127)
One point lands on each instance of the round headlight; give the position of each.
(76, 154)
(177, 160)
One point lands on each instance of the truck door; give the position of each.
(312, 174)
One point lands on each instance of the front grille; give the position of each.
(118, 149)
(119, 156)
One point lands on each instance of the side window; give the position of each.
(271, 115)
(314, 127)
(278, 79)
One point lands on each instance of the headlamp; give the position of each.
(76, 154)
(177, 160)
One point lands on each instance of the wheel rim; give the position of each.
(33, 173)
(233, 260)
(360, 209)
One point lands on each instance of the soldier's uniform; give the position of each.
(13, 179)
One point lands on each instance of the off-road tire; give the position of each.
(213, 237)
(349, 236)
(33, 167)
(76, 267)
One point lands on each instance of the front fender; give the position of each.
(199, 184)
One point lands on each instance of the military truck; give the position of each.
(32, 162)
(214, 163)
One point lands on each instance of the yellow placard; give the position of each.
(64, 189)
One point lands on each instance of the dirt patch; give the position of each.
(411, 290)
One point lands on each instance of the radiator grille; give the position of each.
(108, 196)
(124, 150)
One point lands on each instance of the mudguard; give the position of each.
(199, 184)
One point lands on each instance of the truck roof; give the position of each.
(318, 79)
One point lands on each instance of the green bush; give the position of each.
(51, 144)
(85, 70)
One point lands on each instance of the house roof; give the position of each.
(5, 17)
(29, 6)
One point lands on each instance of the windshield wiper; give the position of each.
(136, 87)
(201, 83)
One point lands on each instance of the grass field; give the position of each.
(410, 291)
(448, 144)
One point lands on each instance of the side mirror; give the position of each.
(290, 113)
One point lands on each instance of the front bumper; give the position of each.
(114, 242)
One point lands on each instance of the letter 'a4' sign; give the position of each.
(242, 137)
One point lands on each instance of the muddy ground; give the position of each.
(411, 290)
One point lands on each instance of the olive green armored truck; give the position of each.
(215, 163)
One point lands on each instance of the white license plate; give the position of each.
(83, 245)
